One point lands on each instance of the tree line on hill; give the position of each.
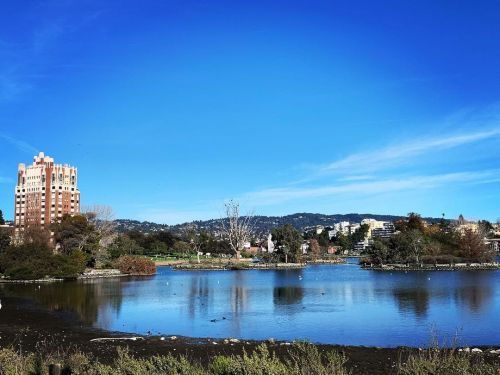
(262, 225)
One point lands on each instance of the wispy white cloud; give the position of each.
(281, 195)
(20, 144)
(396, 155)
(363, 177)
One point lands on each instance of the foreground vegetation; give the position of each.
(447, 362)
(301, 359)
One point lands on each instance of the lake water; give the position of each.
(337, 304)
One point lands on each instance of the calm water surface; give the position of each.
(328, 304)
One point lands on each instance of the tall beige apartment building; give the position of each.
(45, 191)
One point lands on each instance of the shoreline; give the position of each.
(237, 266)
(246, 265)
(433, 267)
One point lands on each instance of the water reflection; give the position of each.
(416, 293)
(238, 294)
(476, 291)
(288, 289)
(331, 304)
(199, 296)
(91, 300)
(414, 300)
(287, 295)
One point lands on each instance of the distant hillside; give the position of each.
(263, 224)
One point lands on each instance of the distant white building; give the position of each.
(268, 246)
(344, 227)
(304, 247)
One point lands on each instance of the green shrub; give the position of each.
(159, 365)
(260, 362)
(446, 362)
(238, 266)
(135, 265)
(308, 360)
(246, 254)
(33, 261)
(222, 365)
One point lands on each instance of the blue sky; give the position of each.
(169, 108)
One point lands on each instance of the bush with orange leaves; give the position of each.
(135, 265)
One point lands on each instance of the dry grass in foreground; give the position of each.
(302, 359)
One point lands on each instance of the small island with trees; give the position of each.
(417, 245)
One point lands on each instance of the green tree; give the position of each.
(379, 252)
(323, 240)
(182, 247)
(34, 261)
(344, 241)
(166, 237)
(73, 233)
(124, 245)
(360, 234)
(2, 221)
(288, 241)
(408, 245)
(4, 239)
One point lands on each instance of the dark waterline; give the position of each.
(326, 304)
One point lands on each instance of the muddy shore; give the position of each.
(25, 326)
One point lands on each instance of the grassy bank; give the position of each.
(300, 359)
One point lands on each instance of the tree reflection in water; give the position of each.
(288, 290)
(473, 289)
(91, 300)
(413, 300)
(476, 289)
(199, 296)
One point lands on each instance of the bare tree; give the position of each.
(237, 229)
(102, 218)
